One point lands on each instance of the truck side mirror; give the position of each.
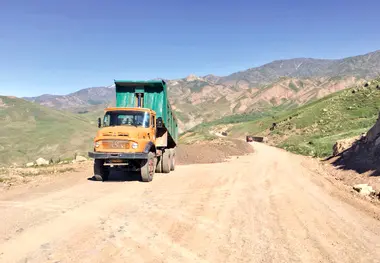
(99, 122)
(159, 123)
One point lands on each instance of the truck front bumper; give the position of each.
(110, 156)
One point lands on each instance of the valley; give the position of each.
(268, 93)
(189, 131)
(242, 198)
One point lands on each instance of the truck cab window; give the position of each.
(106, 120)
(126, 118)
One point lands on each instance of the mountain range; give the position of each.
(282, 83)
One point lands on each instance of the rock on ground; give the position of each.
(364, 189)
(374, 132)
(30, 164)
(79, 158)
(42, 161)
(342, 145)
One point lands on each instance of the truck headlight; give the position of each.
(134, 145)
(97, 144)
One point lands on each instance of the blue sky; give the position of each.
(62, 46)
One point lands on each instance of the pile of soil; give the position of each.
(215, 151)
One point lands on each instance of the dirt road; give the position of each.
(265, 207)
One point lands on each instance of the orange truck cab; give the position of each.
(139, 134)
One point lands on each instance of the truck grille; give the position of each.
(115, 144)
(115, 134)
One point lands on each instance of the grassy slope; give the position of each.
(92, 115)
(201, 131)
(313, 128)
(29, 131)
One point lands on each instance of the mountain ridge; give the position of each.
(314, 68)
(198, 99)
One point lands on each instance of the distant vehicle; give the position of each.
(255, 139)
(139, 134)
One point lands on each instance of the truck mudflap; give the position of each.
(110, 156)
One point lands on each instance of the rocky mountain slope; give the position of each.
(198, 99)
(311, 129)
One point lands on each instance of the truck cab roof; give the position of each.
(127, 109)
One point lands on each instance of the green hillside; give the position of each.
(313, 128)
(91, 114)
(29, 131)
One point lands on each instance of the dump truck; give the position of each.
(140, 134)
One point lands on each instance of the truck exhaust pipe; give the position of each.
(139, 100)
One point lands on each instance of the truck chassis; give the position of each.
(147, 164)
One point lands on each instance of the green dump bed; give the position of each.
(154, 97)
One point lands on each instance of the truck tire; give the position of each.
(172, 159)
(101, 172)
(159, 165)
(165, 161)
(148, 168)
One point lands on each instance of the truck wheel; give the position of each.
(166, 161)
(101, 172)
(172, 159)
(159, 165)
(148, 168)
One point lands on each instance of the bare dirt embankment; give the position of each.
(214, 151)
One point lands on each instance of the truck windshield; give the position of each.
(121, 118)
